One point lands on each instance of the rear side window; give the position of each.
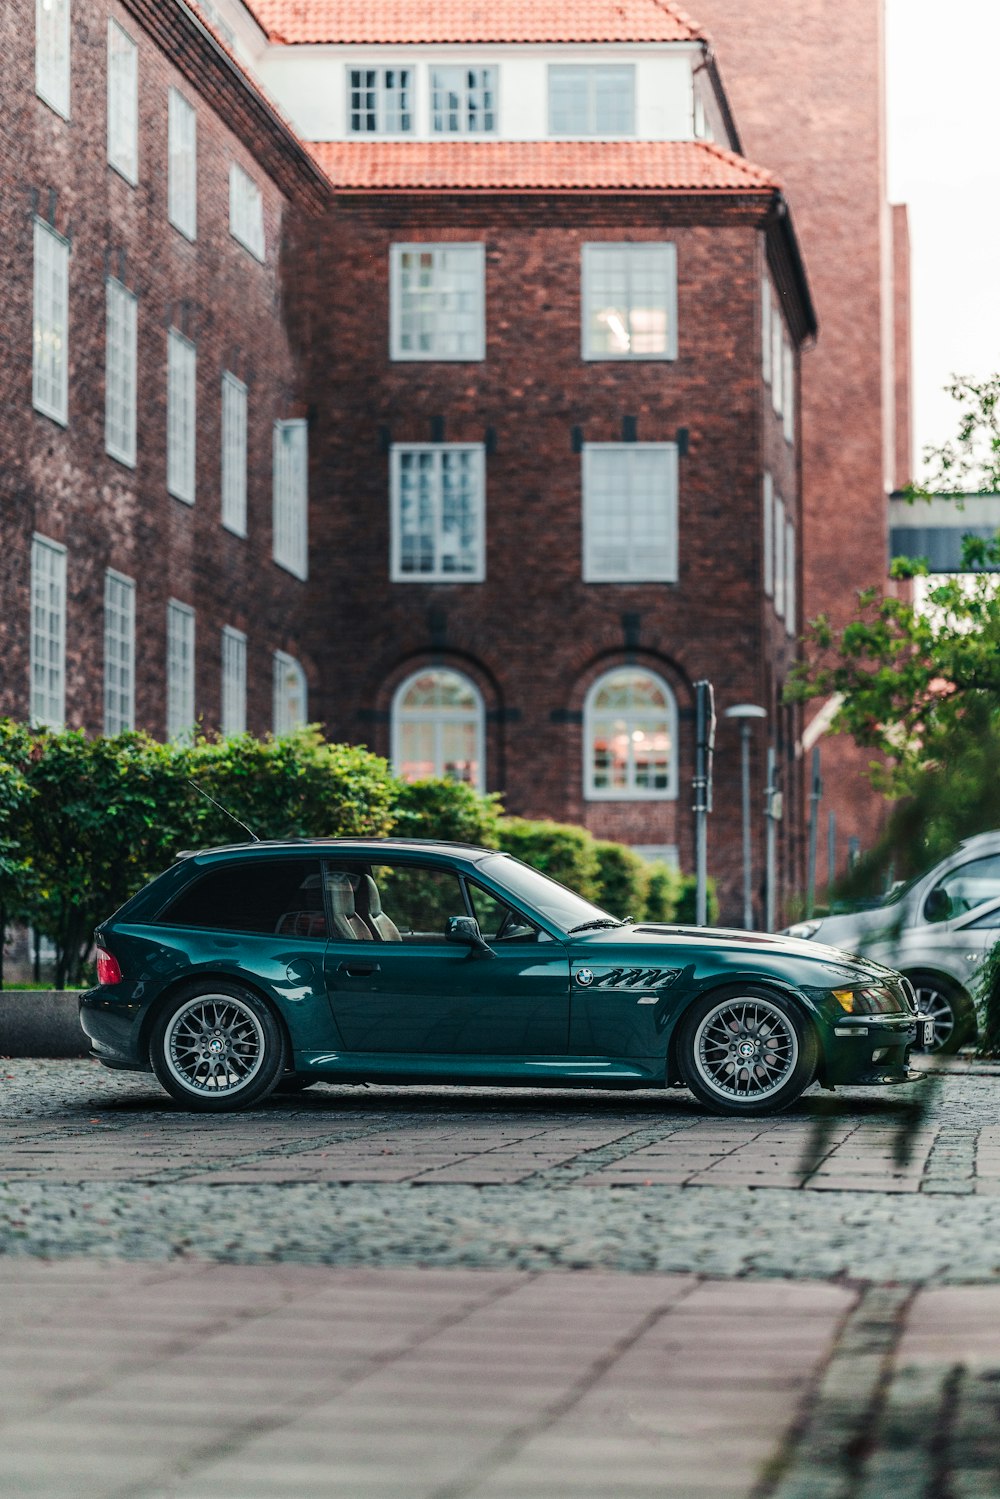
(283, 896)
(963, 889)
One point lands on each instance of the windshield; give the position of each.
(563, 907)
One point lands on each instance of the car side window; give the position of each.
(963, 889)
(498, 922)
(279, 896)
(418, 900)
(990, 921)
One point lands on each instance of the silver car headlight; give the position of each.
(803, 929)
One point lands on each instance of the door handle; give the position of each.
(359, 970)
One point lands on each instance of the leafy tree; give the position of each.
(16, 792)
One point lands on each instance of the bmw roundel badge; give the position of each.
(585, 977)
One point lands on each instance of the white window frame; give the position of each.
(52, 54)
(123, 102)
(119, 652)
(768, 488)
(779, 556)
(788, 391)
(182, 164)
(765, 328)
(632, 253)
(233, 714)
(48, 633)
(234, 454)
(790, 590)
(284, 717)
(438, 718)
(50, 324)
(440, 294)
(384, 115)
(639, 570)
(472, 97)
(439, 574)
(777, 343)
(246, 211)
(290, 496)
(182, 416)
(181, 645)
(120, 372)
(589, 73)
(631, 792)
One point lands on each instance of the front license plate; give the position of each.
(928, 1032)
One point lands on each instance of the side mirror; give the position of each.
(937, 906)
(465, 931)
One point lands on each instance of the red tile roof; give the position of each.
(538, 166)
(403, 22)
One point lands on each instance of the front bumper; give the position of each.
(870, 1051)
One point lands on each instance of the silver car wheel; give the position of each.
(214, 1045)
(935, 1005)
(745, 1048)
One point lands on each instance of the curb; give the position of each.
(41, 1023)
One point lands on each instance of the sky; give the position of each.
(943, 99)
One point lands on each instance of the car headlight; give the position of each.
(869, 999)
(803, 929)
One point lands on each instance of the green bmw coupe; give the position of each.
(267, 965)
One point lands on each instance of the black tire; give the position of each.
(216, 1048)
(781, 1056)
(952, 1010)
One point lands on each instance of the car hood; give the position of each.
(757, 949)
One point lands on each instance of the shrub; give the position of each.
(663, 892)
(687, 903)
(988, 1004)
(624, 880)
(560, 850)
(444, 809)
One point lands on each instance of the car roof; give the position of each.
(468, 851)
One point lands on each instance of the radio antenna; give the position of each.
(221, 808)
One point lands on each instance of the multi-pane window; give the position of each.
(52, 53)
(380, 101)
(630, 301)
(463, 100)
(120, 373)
(630, 512)
(438, 728)
(789, 577)
(291, 497)
(180, 671)
(50, 354)
(438, 302)
(438, 513)
(182, 164)
(788, 388)
(48, 632)
(123, 102)
(765, 328)
(246, 211)
(779, 557)
(234, 681)
(630, 737)
(592, 99)
(234, 454)
(291, 697)
(119, 653)
(181, 376)
(777, 363)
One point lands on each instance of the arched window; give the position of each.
(438, 728)
(291, 695)
(630, 737)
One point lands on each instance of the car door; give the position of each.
(965, 944)
(414, 993)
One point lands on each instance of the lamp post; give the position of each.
(745, 713)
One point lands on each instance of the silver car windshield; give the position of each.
(560, 905)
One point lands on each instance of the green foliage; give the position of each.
(448, 810)
(687, 903)
(624, 880)
(561, 850)
(16, 870)
(663, 892)
(988, 999)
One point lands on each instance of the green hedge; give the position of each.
(624, 880)
(559, 849)
(663, 892)
(448, 810)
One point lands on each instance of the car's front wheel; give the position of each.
(217, 1047)
(950, 1008)
(747, 1050)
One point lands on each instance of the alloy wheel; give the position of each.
(745, 1048)
(936, 1005)
(214, 1045)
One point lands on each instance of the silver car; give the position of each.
(937, 930)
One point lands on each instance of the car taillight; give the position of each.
(108, 971)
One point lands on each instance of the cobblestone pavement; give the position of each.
(350, 1292)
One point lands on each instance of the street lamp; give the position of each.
(745, 713)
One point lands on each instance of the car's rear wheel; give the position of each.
(747, 1051)
(950, 1008)
(217, 1047)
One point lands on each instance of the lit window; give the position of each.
(182, 164)
(768, 535)
(123, 103)
(777, 340)
(120, 373)
(48, 633)
(438, 302)
(438, 728)
(291, 497)
(181, 375)
(119, 653)
(630, 512)
(52, 53)
(50, 361)
(246, 211)
(765, 329)
(779, 557)
(290, 694)
(630, 734)
(180, 671)
(788, 390)
(789, 577)
(380, 101)
(234, 454)
(592, 99)
(630, 301)
(438, 513)
(463, 100)
(234, 681)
